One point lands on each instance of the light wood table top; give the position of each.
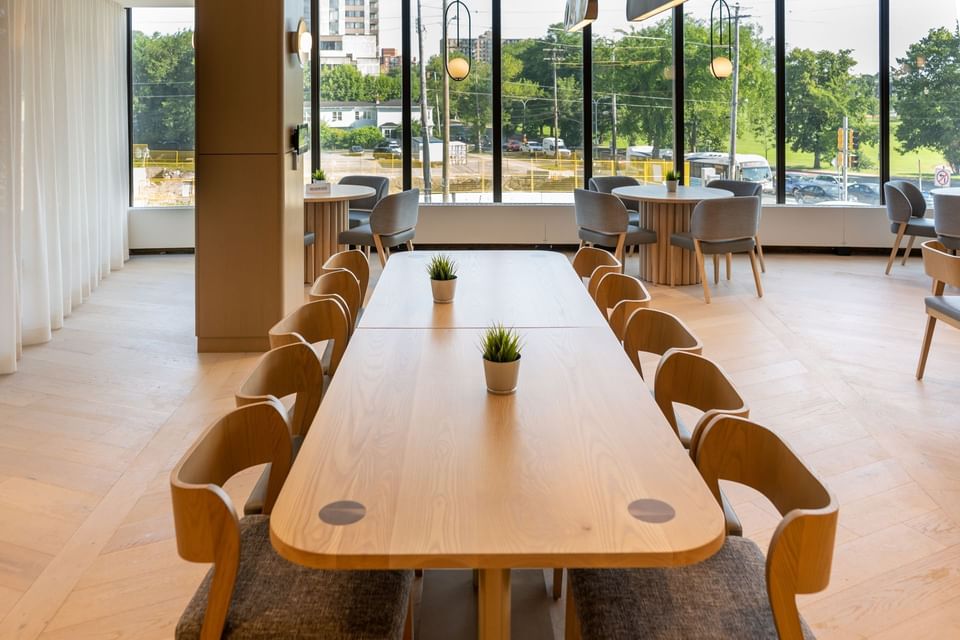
(339, 193)
(451, 476)
(659, 193)
(517, 288)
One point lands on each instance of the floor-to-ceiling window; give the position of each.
(542, 97)
(832, 102)
(632, 100)
(925, 75)
(730, 93)
(163, 107)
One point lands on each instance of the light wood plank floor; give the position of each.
(93, 422)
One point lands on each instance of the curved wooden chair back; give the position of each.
(314, 322)
(693, 380)
(345, 286)
(355, 262)
(800, 555)
(655, 331)
(594, 263)
(205, 520)
(618, 296)
(940, 265)
(291, 369)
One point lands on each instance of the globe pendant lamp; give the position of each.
(457, 68)
(721, 66)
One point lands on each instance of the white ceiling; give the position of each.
(155, 3)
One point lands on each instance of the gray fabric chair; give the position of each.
(606, 184)
(393, 222)
(361, 207)
(906, 209)
(946, 220)
(722, 226)
(604, 221)
(744, 189)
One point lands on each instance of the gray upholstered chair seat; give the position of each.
(945, 305)
(309, 238)
(274, 598)
(363, 235)
(635, 235)
(684, 240)
(722, 598)
(950, 242)
(359, 217)
(916, 227)
(633, 216)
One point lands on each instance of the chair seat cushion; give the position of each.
(635, 235)
(721, 598)
(685, 241)
(948, 306)
(274, 598)
(362, 235)
(950, 242)
(922, 227)
(359, 217)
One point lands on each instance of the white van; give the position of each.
(554, 146)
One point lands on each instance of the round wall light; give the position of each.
(301, 42)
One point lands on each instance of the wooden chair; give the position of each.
(654, 331)
(944, 268)
(593, 263)
(344, 287)
(618, 296)
(293, 369)
(250, 590)
(320, 321)
(356, 263)
(736, 593)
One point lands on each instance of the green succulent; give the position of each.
(500, 344)
(672, 175)
(319, 175)
(442, 267)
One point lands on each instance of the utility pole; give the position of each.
(845, 157)
(613, 114)
(424, 125)
(735, 93)
(555, 51)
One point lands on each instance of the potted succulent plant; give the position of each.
(443, 278)
(501, 359)
(319, 182)
(673, 179)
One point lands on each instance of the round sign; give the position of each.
(942, 177)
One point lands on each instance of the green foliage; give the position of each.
(163, 90)
(925, 95)
(442, 267)
(337, 138)
(672, 176)
(319, 175)
(500, 344)
(345, 83)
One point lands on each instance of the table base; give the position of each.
(326, 220)
(656, 259)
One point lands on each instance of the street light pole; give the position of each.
(735, 93)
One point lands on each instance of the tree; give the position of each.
(342, 83)
(821, 91)
(163, 90)
(925, 95)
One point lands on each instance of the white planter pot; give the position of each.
(443, 290)
(672, 186)
(319, 187)
(501, 376)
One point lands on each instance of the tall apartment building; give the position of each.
(481, 47)
(349, 33)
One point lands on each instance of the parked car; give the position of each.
(825, 178)
(513, 145)
(532, 147)
(793, 183)
(356, 149)
(816, 192)
(864, 192)
(556, 146)
(389, 148)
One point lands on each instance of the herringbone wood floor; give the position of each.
(93, 422)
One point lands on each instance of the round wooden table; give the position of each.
(667, 213)
(326, 215)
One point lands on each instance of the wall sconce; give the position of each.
(720, 66)
(457, 68)
(579, 13)
(638, 10)
(301, 42)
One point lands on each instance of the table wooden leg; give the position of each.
(493, 611)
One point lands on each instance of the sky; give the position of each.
(816, 24)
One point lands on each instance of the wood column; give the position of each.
(249, 87)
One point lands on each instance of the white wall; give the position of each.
(173, 228)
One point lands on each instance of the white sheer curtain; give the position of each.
(63, 161)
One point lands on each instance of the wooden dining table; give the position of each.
(410, 463)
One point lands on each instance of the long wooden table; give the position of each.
(410, 463)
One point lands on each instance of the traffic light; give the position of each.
(854, 140)
(840, 139)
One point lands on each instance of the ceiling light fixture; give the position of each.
(638, 10)
(579, 14)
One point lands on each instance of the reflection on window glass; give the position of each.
(359, 113)
(543, 133)
(163, 108)
(727, 138)
(632, 96)
(832, 103)
(925, 73)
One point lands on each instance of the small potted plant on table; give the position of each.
(501, 359)
(319, 182)
(673, 179)
(443, 278)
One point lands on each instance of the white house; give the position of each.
(386, 116)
